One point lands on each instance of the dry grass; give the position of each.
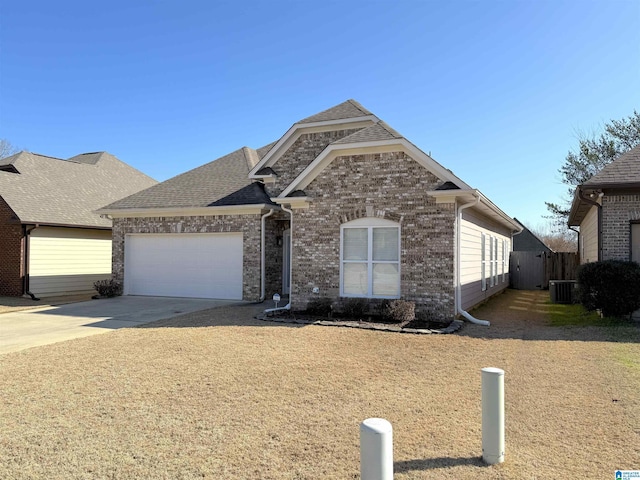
(16, 304)
(217, 395)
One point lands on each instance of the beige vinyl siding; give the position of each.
(474, 226)
(67, 260)
(589, 237)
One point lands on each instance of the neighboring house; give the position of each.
(341, 206)
(51, 240)
(527, 241)
(607, 210)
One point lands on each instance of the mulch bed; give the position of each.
(417, 326)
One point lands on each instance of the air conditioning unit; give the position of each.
(563, 291)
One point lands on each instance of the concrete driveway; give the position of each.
(25, 329)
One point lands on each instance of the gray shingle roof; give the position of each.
(222, 182)
(54, 191)
(624, 169)
(379, 131)
(348, 109)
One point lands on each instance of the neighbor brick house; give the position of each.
(51, 240)
(340, 206)
(607, 210)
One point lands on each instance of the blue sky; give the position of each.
(495, 90)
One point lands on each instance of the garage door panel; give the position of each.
(184, 265)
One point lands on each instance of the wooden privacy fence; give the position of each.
(533, 270)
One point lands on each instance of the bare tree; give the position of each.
(6, 148)
(558, 240)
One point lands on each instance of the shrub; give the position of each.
(400, 311)
(108, 288)
(355, 307)
(320, 306)
(612, 286)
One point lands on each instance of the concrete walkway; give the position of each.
(26, 329)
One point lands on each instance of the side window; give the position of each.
(483, 261)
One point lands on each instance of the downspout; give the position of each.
(578, 249)
(25, 278)
(288, 305)
(459, 309)
(599, 207)
(262, 254)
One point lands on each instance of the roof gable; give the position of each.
(347, 115)
(56, 191)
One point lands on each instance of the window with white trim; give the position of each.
(370, 258)
(495, 260)
(483, 262)
(505, 259)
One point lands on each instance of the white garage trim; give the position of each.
(200, 265)
(67, 260)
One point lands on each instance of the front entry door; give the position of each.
(286, 262)
(635, 242)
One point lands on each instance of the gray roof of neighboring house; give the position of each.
(222, 182)
(55, 191)
(527, 241)
(623, 170)
(348, 109)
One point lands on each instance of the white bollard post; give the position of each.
(376, 449)
(492, 415)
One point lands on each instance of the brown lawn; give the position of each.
(217, 395)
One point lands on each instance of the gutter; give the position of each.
(288, 305)
(459, 309)
(587, 200)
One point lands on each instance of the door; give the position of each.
(205, 265)
(635, 242)
(286, 262)
(526, 270)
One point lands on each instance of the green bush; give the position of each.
(400, 311)
(611, 286)
(320, 306)
(355, 307)
(108, 288)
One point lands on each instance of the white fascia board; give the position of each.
(362, 148)
(293, 202)
(487, 207)
(299, 129)
(187, 211)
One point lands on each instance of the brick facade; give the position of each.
(391, 186)
(617, 213)
(249, 225)
(11, 252)
(303, 151)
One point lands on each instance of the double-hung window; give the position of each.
(370, 258)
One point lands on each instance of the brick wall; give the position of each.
(11, 253)
(249, 225)
(391, 186)
(617, 212)
(303, 151)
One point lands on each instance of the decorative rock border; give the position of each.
(453, 326)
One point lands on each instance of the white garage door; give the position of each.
(207, 265)
(67, 260)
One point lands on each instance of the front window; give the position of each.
(370, 259)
